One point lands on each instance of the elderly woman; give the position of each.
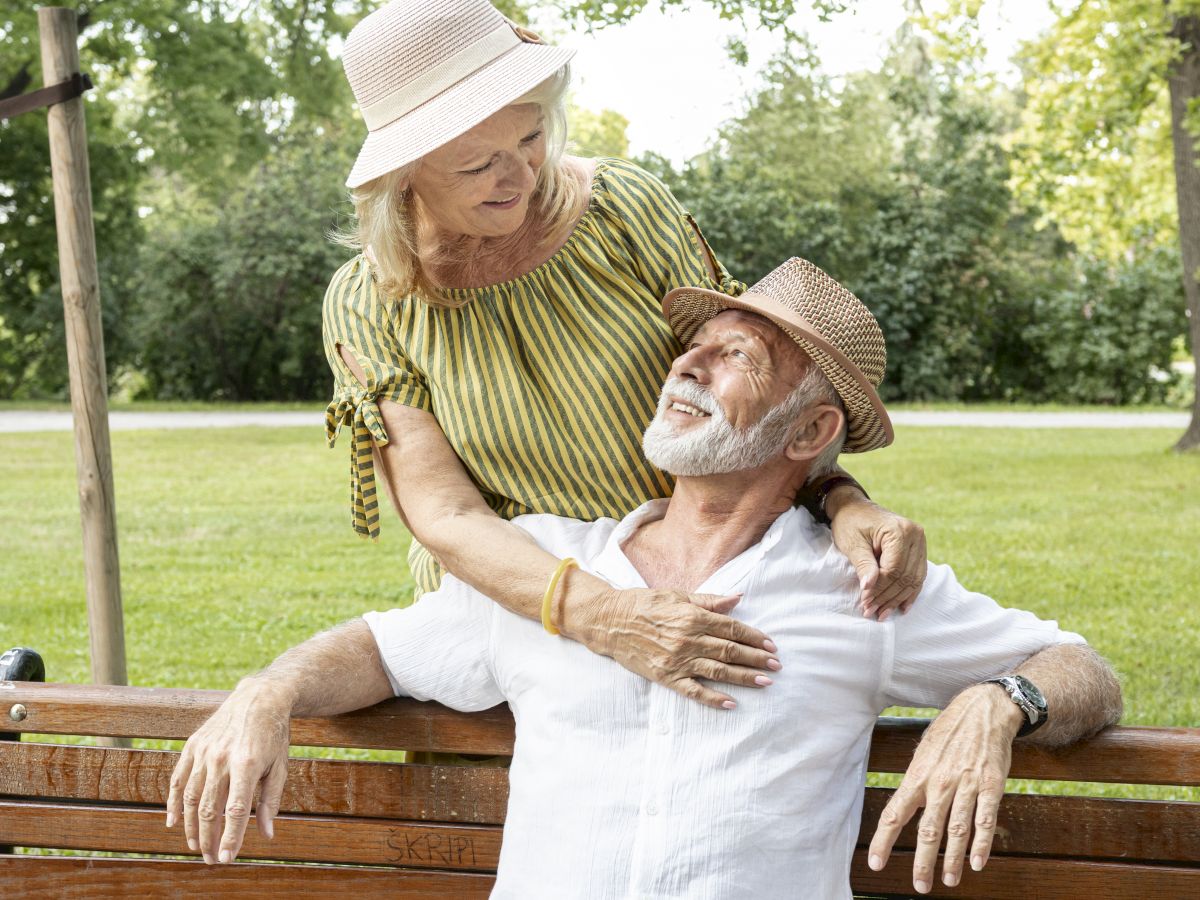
(498, 345)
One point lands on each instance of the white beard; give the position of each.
(715, 446)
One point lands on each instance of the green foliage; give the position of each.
(230, 302)
(898, 185)
(597, 133)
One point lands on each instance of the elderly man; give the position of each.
(623, 788)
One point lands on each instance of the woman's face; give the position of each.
(480, 183)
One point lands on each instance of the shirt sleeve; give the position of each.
(355, 316)
(667, 245)
(440, 648)
(953, 638)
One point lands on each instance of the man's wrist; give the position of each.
(270, 689)
(1004, 711)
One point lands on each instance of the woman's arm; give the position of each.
(665, 636)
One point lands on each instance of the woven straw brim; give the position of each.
(868, 426)
(456, 110)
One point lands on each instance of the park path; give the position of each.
(27, 421)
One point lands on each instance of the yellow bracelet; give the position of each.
(549, 598)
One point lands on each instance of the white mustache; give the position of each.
(689, 392)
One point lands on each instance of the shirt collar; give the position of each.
(614, 566)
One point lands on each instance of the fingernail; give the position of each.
(762, 680)
(226, 856)
(769, 646)
(921, 886)
(207, 859)
(729, 704)
(977, 863)
(868, 611)
(170, 820)
(883, 616)
(774, 665)
(267, 827)
(875, 862)
(192, 845)
(949, 879)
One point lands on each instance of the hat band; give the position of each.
(446, 73)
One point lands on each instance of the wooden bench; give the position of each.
(374, 829)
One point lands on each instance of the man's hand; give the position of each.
(887, 550)
(244, 744)
(958, 771)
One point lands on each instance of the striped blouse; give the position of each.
(542, 384)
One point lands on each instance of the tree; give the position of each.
(1111, 131)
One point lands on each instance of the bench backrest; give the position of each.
(415, 830)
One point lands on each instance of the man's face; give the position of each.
(720, 410)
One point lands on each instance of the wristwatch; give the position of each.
(1025, 694)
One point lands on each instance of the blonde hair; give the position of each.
(386, 225)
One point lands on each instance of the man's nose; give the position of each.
(691, 365)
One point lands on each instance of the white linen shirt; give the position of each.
(621, 788)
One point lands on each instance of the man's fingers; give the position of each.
(243, 780)
(895, 816)
(192, 791)
(958, 833)
(271, 797)
(929, 839)
(211, 810)
(986, 810)
(862, 556)
(179, 779)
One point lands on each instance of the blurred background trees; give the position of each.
(1019, 245)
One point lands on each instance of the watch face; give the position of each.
(1030, 690)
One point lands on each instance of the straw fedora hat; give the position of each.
(829, 323)
(425, 71)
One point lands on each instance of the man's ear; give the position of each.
(818, 428)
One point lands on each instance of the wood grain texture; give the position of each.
(398, 724)
(83, 878)
(85, 347)
(459, 794)
(1020, 878)
(1117, 755)
(326, 839)
(1078, 827)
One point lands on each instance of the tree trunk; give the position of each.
(1184, 82)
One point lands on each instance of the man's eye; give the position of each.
(740, 355)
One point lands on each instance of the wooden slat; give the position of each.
(84, 878)
(327, 839)
(1021, 878)
(328, 787)
(1085, 827)
(168, 713)
(1117, 755)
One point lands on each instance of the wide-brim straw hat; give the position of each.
(426, 71)
(829, 323)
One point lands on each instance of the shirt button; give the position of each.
(652, 809)
(662, 728)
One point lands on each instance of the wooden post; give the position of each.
(85, 347)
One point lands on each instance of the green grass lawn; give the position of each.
(236, 544)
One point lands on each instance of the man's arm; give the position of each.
(245, 742)
(960, 766)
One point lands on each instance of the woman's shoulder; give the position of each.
(624, 181)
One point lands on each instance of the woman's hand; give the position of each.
(675, 639)
(887, 550)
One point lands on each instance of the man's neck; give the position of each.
(709, 521)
